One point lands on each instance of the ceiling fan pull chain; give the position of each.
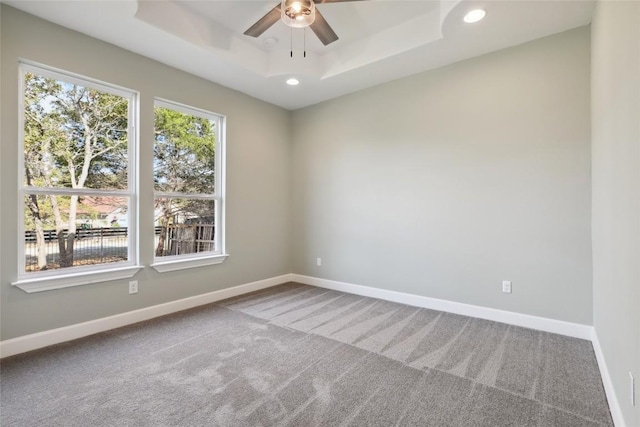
(304, 42)
(291, 40)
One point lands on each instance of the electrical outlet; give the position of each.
(506, 286)
(632, 385)
(319, 262)
(133, 287)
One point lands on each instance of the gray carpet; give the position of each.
(296, 355)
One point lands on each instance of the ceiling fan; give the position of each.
(297, 14)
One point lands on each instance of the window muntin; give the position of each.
(77, 175)
(187, 181)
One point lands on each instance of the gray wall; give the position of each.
(258, 179)
(441, 184)
(616, 193)
(445, 183)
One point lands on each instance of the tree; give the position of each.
(184, 163)
(75, 137)
(40, 129)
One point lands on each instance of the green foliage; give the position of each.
(184, 162)
(184, 153)
(74, 137)
(45, 212)
(77, 137)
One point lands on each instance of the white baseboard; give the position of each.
(533, 322)
(612, 398)
(67, 333)
(54, 336)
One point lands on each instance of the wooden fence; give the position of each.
(188, 238)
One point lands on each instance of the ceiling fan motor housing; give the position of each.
(298, 13)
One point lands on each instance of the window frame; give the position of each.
(199, 259)
(81, 275)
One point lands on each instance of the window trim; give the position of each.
(200, 259)
(74, 276)
(77, 278)
(183, 262)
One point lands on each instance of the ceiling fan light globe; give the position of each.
(298, 13)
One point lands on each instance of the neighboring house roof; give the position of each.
(102, 206)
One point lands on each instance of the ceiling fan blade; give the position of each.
(264, 23)
(323, 30)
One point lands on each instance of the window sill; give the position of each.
(75, 279)
(185, 263)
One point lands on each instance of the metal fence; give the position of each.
(110, 244)
(90, 246)
(89, 233)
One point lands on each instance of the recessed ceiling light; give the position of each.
(474, 16)
(292, 82)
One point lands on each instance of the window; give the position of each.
(78, 183)
(188, 187)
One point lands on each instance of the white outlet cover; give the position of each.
(133, 287)
(506, 286)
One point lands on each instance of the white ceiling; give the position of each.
(380, 40)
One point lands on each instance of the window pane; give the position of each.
(184, 226)
(72, 231)
(184, 152)
(74, 136)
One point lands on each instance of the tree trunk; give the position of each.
(34, 208)
(65, 243)
(164, 227)
(41, 244)
(163, 236)
(73, 207)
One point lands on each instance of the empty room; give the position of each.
(320, 213)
